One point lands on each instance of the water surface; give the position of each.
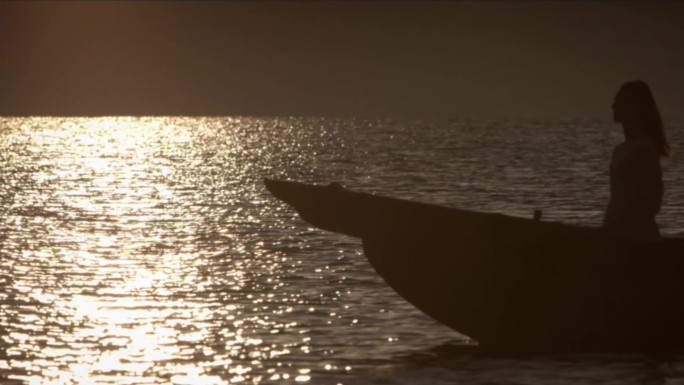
(147, 251)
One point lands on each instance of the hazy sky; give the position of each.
(447, 59)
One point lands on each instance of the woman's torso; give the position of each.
(636, 190)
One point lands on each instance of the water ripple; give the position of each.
(146, 251)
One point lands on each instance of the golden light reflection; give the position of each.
(133, 250)
(111, 160)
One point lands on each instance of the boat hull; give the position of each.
(515, 285)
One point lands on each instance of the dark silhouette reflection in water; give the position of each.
(474, 367)
(636, 183)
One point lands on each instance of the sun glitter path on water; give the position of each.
(111, 242)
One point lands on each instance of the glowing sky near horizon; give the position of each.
(447, 59)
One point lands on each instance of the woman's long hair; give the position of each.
(645, 111)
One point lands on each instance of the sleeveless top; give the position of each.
(636, 190)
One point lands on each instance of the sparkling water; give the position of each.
(147, 250)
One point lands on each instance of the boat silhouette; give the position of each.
(515, 285)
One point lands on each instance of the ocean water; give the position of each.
(147, 251)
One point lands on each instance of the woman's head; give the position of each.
(635, 107)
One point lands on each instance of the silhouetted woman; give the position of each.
(636, 184)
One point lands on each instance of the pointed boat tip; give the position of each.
(278, 188)
(270, 182)
(272, 185)
(290, 191)
(286, 190)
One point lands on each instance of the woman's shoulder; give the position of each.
(635, 154)
(639, 147)
(644, 146)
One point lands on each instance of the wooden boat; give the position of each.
(515, 285)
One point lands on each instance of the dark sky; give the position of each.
(446, 59)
